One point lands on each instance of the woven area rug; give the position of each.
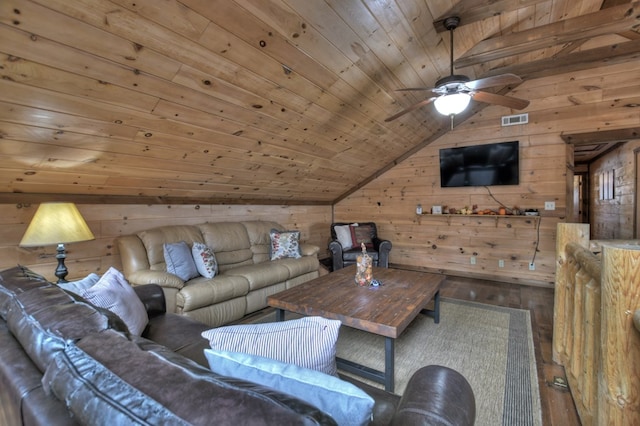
(491, 346)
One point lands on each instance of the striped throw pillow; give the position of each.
(308, 342)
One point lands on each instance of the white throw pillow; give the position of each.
(114, 293)
(205, 260)
(308, 342)
(179, 260)
(79, 286)
(343, 232)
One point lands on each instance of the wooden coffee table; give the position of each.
(386, 310)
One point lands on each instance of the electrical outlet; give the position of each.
(473, 260)
(532, 266)
(549, 205)
(501, 263)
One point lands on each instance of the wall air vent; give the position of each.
(512, 120)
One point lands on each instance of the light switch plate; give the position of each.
(549, 205)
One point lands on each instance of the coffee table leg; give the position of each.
(389, 364)
(279, 314)
(435, 313)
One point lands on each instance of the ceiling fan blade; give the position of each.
(496, 80)
(506, 101)
(411, 108)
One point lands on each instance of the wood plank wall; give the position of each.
(109, 221)
(613, 218)
(574, 102)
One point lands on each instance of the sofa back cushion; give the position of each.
(17, 280)
(258, 231)
(154, 240)
(44, 319)
(230, 243)
(107, 375)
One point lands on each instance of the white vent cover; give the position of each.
(512, 120)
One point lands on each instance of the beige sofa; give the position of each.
(246, 274)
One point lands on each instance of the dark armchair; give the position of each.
(364, 232)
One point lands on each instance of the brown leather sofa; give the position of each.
(246, 275)
(66, 362)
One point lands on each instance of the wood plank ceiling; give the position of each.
(241, 101)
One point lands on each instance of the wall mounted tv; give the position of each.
(480, 165)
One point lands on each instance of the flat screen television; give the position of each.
(480, 165)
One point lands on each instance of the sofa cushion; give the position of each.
(154, 240)
(284, 244)
(17, 280)
(105, 374)
(258, 231)
(343, 233)
(201, 292)
(261, 275)
(205, 260)
(179, 260)
(346, 403)
(308, 342)
(362, 234)
(230, 242)
(44, 318)
(114, 293)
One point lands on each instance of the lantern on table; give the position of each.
(364, 268)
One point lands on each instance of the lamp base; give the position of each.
(61, 270)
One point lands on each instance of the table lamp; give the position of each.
(57, 223)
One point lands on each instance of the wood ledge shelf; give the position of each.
(449, 216)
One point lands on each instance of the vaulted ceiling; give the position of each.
(240, 101)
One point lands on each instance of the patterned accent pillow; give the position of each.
(179, 260)
(284, 244)
(361, 234)
(114, 293)
(205, 260)
(308, 342)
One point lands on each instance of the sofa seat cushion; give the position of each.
(200, 292)
(179, 334)
(261, 275)
(106, 375)
(297, 267)
(352, 255)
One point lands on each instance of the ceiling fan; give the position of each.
(453, 93)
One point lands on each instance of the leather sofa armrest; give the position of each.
(436, 395)
(309, 249)
(152, 298)
(162, 278)
(336, 253)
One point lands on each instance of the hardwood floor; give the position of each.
(557, 404)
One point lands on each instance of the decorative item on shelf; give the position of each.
(502, 211)
(57, 223)
(436, 210)
(419, 209)
(364, 268)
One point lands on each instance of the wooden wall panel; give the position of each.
(109, 221)
(614, 218)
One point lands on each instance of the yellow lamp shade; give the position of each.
(56, 223)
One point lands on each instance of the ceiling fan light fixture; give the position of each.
(452, 104)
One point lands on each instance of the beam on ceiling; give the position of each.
(592, 58)
(613, 20)
(589, 138)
